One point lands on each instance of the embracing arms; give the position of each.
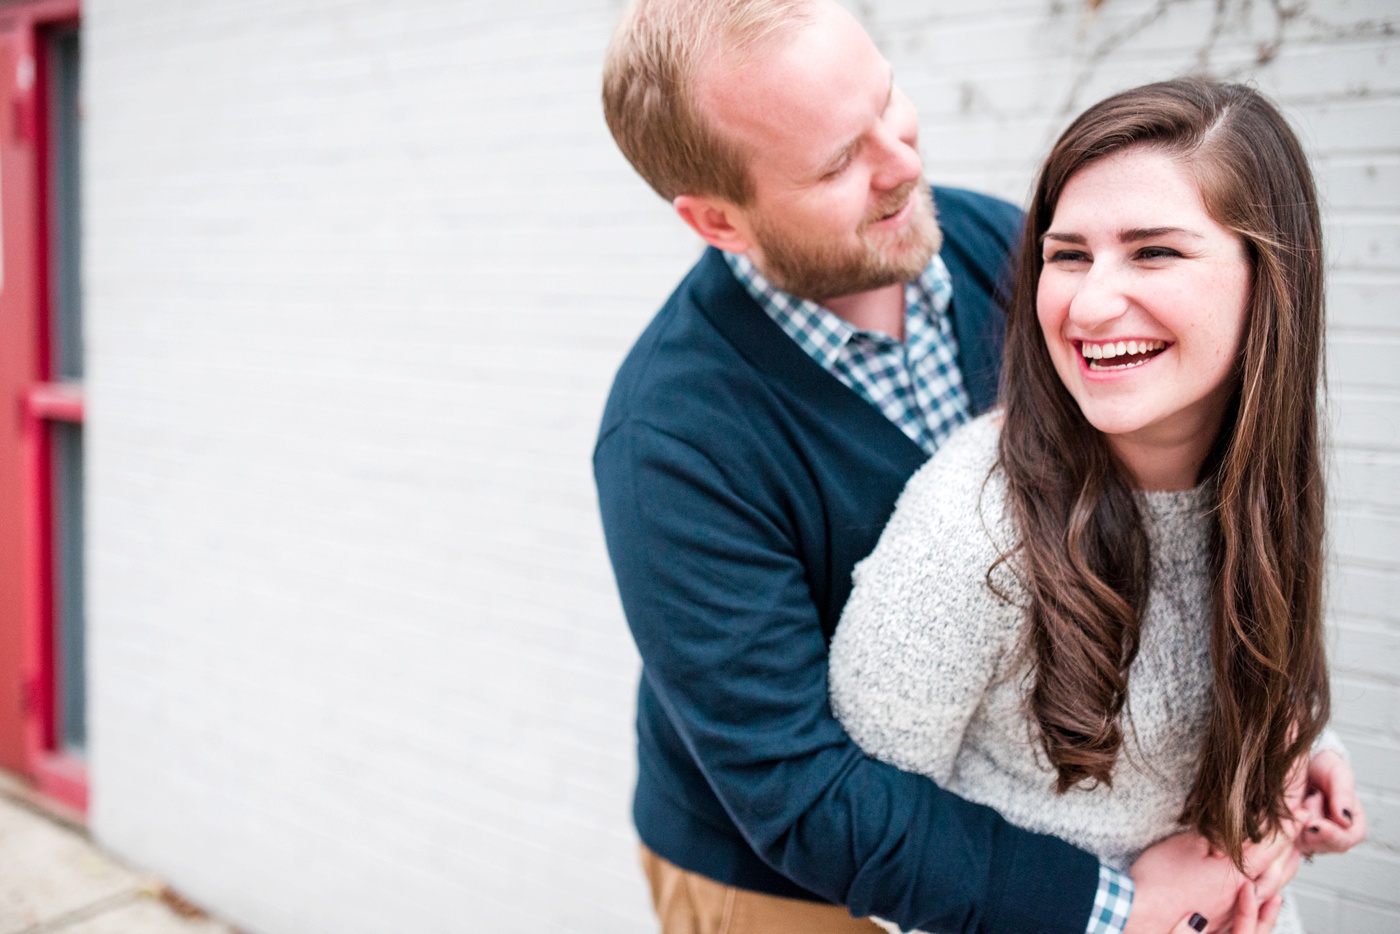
(720, 605)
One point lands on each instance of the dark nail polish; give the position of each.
(1197, 922)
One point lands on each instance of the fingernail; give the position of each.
(1197, 922)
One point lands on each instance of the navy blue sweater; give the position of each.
(739, 483)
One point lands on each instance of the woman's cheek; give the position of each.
(1051, 302)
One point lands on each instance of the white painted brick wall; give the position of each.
(358, 282)
(358, 278)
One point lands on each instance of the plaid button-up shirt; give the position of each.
(917, 385)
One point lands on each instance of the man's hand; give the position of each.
(1178, 878)
(1331, 815)
(1182, 886)
(1182, 876)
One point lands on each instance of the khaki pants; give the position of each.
(689, 903)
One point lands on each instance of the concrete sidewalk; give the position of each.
(54, 879)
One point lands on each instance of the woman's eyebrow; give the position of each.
(1130, 235)
(1134, 234)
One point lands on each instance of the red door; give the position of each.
(37, 398)
(19, 370)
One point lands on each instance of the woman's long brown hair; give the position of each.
(1083, 554)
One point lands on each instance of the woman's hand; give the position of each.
(1269, 883)
(1184, 868)
(1191, 924)
(1272, 863)
(1253, 915)
(1331, 814)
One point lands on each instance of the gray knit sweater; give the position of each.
(926, 672)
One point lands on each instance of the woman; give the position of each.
(1099, 610)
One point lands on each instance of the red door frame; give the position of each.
(28, 665)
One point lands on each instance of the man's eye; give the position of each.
(838, 169)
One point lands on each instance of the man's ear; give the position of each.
(719, 223)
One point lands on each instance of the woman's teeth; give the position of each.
(1132, 353)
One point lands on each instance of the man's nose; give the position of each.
(899, 164)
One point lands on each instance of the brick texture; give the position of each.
(358, 275)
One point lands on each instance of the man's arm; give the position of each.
(721, 611)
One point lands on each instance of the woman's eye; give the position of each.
(1156, 252)
(1066, 256)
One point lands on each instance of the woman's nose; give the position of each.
(1102, 297)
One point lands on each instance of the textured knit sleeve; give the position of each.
(923, 635)
(1329, 740)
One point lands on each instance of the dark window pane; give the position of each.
(67, 294)
(69, 618)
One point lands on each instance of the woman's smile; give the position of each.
(1111, 356)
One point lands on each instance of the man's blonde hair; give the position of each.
(649, 88)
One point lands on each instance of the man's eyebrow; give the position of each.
(836, 160)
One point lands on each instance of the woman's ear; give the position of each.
(719, 223)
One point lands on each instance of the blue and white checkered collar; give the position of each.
(821, 332)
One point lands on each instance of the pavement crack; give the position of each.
(86, 912)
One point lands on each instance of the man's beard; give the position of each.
(822, 269)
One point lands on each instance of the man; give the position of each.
(752, 449)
